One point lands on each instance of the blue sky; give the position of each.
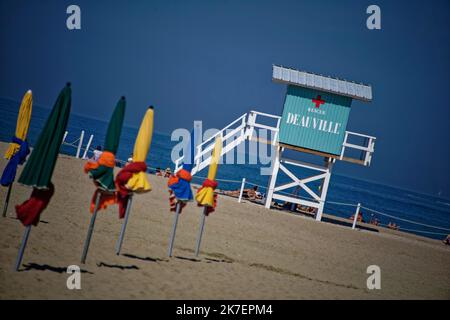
(211, 61)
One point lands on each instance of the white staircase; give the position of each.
(232, 135)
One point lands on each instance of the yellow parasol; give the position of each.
(139, 182)
(23, 122)
(205, 195)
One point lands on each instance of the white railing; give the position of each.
(78, 143)
(252, 123)
(368, 149)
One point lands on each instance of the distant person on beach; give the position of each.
(257, 194)
(393, 226)
(167, 173)
(97, 153)
(374, 220)
(130, 159)
(159, 172)
(311, 210)
(447, 240)
(360, 217)
(251, 194)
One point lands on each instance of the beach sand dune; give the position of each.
(248, 252)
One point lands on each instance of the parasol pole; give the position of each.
(5, 206)
(174, 228)
(124, 226)
(91, 229)
(26, 234)
(200, 231)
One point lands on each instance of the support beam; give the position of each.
(324, 188)
(273, 177)
(317, 199)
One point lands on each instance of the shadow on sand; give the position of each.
(15, 218)
(188, 259)
(46, 267)
(150, 259)
(210, 260)
(116, 266)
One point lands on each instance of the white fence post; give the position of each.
(80, 143)
(65, 136)
(355, 218)
(87, 147)
(177, 165)
(242, 190)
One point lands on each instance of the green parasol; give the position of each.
(102, 171)
(104, 174)
(39, 168)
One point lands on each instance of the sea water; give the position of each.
(389, 200)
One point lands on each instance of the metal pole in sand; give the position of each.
(174, 228)
(242, 190)
(124, 225)
(200, 231)
(26, 234)
(355, 218)
(91, 229)
(5, 206)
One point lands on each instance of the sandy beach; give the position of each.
(248, 252)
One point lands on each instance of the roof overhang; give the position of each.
(305, 79)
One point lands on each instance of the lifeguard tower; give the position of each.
(314, 121)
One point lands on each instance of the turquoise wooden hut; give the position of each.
(316, 110)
